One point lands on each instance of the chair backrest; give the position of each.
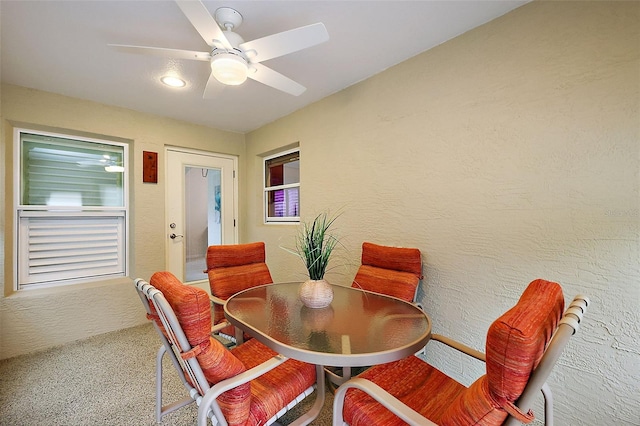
(394, 271)
(515, 345)
(235, 267)
(182, 315)
(569, 324)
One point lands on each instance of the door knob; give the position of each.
(174, 236)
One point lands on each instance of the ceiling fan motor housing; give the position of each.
(234, 39)
(228, 18)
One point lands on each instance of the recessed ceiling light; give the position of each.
(173, 81)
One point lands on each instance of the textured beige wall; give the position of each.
(37, 319)
(509, 153)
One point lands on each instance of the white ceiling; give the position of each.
(61, 47)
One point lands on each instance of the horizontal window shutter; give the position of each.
(55, 247)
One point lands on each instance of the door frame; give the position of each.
(235, 203)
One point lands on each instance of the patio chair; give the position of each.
(232, 268)
(520, 356)
(392, 271)
(248, 385)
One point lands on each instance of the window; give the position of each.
(71, 209)
(282, 187)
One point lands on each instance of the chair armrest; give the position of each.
(459, 347)
(390, 402)
(217, 300)
(209, 399)
(219, 326)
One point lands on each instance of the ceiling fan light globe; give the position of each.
(229, 69)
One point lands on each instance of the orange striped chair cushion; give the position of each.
(517, 340)
(474, 406)
(394, 271)
(223, 256)
(233, 268)
(515, 343)
(413, 382)
(230, 280)
(274, 390)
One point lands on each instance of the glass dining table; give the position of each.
(359, 328)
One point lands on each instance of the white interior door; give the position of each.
(201, 206)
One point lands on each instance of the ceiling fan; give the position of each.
(232, 59)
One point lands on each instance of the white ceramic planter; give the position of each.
(316, 293)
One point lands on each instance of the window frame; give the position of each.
(270, 220)
(25, 211)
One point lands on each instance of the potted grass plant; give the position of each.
(314, 245)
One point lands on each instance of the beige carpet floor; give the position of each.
(103, 380)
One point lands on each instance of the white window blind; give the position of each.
(71, 210)
(64, 172)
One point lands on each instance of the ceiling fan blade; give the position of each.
(163, 52)
(280, 44)
(276, 80)
(203, 22)
(213, 88)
